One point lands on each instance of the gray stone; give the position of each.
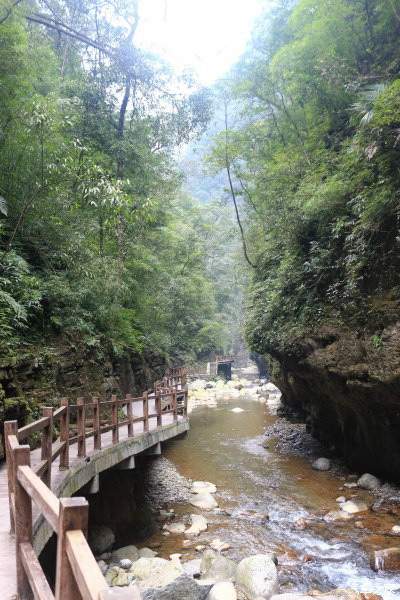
(182, 588)
(147, 553)
(125, 563)
(175, 527)
(155, 572)
(223, 590)
(321, 464)
(257, 577)
(130, 552)
(368, 482)
(101, 538)
(215, 567)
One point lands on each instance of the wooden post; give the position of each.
(64, 435)
(129, 414)
(10, 428)
(174, 406)
(158, 408)
(185, 405)
(114, 421)
(96, 424)
(74, 513)
(145, 411)
(23, 521)
(47, 443)
(81, 427)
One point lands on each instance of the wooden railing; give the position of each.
(77, 573)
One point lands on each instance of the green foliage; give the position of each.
(318, 147)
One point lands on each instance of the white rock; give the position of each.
(224, 590)
(219, 545)
(154, 572)
(130, 552)
(341, 499)
(257, 577)
(125, 563)
(321, 464)
(201, 487)
(337, 515)
(192, 567)
(147, 553)
(237, 410)
(352, 507)
(175, 527)
(350, 485)
(215, 567)
(396, 529)
(198, 524)
(368, 482)
(204, 501)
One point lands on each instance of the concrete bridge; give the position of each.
(36, 485)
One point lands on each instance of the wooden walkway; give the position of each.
(137, 425)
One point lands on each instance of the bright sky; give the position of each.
(207, 36)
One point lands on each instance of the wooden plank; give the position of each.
(57, 448)
(158, 409)
(37, 580)
(86, 571)
(59, 413)
(47, 440)
(81, 426)
(64, 435)
(74, 514)
(129, 413)
(10, 428)
(40, 468)
(23, 519)
(27, 430)
(96, 424)
(47, 503)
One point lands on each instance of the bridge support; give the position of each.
(93, 487)
(126, 465)
(154, 450)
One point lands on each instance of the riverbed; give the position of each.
(271, 501)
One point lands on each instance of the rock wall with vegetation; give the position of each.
(314, 160)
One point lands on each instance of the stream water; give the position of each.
(263, 494)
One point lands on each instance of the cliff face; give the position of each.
(346, 385)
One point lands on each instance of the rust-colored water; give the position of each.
(226, 448)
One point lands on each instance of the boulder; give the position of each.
(386, 560)
(215, 567)
(257, 577)
(201, 487)
(204, 501)
(154, 572)
(198, 524)
(192, 567)
(368, 482)
(147, 553)
(101, 538)
(182, 588)
(321, 464)
(175, 527)
(129, 552)
(223, 590)
(353, 507)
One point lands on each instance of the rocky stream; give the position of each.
(248, 505)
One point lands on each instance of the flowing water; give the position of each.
(225, 447)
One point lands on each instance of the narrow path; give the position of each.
(7, 541)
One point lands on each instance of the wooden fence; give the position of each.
(77, 573)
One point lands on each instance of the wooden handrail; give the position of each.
(77, 572)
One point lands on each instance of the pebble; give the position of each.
(125, 563)
(353, 507)
(341, 499)
(321, 464)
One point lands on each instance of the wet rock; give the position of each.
(321, 464)
(396, 529)
(215, 567)
(337, 515)
(353, 507)
(129, 552)
(386, 560)
(182, 588)
(224, 590)
(175, 527)
(350, 485)
(390, 506)
(101, 538)
(368, 482)
(198, 524)
(300, 523)
(201, 487)
(204, 501)
(219, 545)
(257, 577)
(341, 499)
